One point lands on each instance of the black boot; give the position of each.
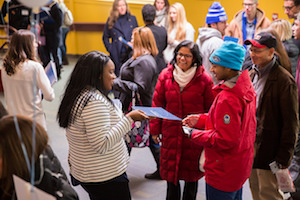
(65, 60)
(154, 175)
(156, 154)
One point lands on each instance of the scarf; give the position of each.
(183, 78)
(160, 14)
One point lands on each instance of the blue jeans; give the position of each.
(214, 194)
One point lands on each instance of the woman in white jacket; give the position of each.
(22, 75)
(179, 29)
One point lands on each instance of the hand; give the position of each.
(137, 115)
(190, 120)
(156, 139)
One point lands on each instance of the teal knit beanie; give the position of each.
(230, 55)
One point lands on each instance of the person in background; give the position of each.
(161, 38)
(277, 116)
(160, 35)
(291, 9)
(120, 23)
(49, 174)
(284, 29)
(210, 38)
(139, 73)
(161, 16)
(183, 88)
(295, 164)
(280, 53)
(179, 29)
(95, 129)
(18, 15)
(21, 74)
(229, 132)
(51, 28)
(247, 22)
(65, 30)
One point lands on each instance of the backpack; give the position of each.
(51, 177)
(68, 18)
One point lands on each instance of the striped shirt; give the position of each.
(97, 151)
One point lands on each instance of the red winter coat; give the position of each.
(179, 156)
(229, 135)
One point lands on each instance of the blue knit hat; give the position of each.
(216, 13)
(230, 55)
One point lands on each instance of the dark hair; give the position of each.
(13, 159)
(20, 49)
(197, 59)
(87, 74)
(148, 12)
(296, 2)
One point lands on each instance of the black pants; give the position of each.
(189, 191)
(115, 189)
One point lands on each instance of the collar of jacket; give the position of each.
(243, 87)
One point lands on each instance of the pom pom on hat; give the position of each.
(230, 55)
(216, 13)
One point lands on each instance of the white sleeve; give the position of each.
(190, 32)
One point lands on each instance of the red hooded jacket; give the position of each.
(229, 135)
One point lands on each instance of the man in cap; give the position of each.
(210, 37)
(277, 116)
(230, 125)
(247, 22)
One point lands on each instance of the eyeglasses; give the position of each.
(186, 56)
(288, 8)
(248, 4)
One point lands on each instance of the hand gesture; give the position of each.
(190, 120)
(137, 115)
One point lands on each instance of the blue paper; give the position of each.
(157, 112)
(51, 72)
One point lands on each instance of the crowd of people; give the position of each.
(235, 87)
(51, 28)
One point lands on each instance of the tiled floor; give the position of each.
(141, 160)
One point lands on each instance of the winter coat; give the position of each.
(293, 53)
(118, 30)
(235, 27)
(277, 124)
(229, 135)
(52, 31)
(179, 156)
(161, 39)
(137, 75)
(209, 39)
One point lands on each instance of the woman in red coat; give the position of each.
(183, 88)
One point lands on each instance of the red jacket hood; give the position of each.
(243, 87)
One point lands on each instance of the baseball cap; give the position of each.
(261, 40)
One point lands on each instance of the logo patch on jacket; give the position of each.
(226, 119)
